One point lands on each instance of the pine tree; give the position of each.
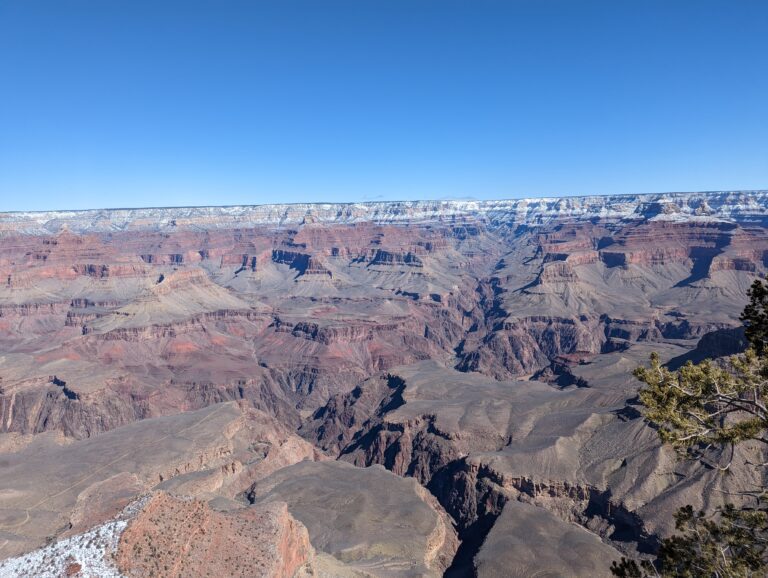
(703, 406)
(755, 316)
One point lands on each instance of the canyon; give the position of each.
(421, 388)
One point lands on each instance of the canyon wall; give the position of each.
(481, 348)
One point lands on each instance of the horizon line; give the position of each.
(394, 201)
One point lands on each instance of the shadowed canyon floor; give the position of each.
(384, 389)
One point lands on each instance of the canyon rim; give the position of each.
(416, 388)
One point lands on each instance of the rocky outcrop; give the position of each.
(376, 424)
(163, 535)
(381, 257)
(174, 537)
(214, 453)
(527, 541)
(367, 519)
(64, 408)
(528, 345)
(718, 343)
(303, 263)
(59, 408)
(524, 346)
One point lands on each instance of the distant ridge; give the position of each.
(736, 206)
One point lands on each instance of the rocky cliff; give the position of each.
(724, 205)
(482, 349)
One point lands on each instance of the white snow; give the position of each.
(92, 550)
(721, 206)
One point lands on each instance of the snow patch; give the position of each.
(87, 555)
(92, 551)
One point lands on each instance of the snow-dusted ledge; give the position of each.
(87, 555)
(90, 554)
(722, 206)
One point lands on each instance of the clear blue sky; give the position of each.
(108, 103)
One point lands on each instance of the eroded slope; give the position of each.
(482, 349)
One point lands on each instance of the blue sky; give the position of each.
(145, 103)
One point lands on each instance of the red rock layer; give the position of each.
(176, 537)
